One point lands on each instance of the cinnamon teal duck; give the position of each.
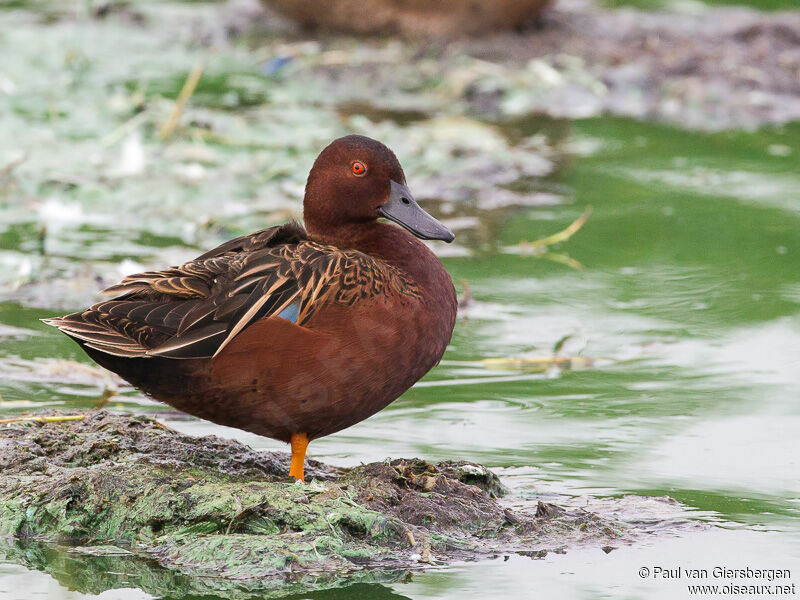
(290, 332)
(442, 18)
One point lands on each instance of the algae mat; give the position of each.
(124, 488)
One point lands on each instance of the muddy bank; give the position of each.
(123, 487)
(710, 68)
(706, 68)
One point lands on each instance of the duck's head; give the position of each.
(355, 181)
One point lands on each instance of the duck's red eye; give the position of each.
(359, 168)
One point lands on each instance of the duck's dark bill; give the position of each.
(404, 210)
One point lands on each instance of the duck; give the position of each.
(292, 332)
(414, 18)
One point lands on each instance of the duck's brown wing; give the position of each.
(186, 311)
(195, 310)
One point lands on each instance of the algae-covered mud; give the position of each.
(124, 487)
(652, 355)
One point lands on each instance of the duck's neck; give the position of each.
(397, 247)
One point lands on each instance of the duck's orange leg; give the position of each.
(299, 445)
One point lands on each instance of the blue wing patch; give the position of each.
(290, 312)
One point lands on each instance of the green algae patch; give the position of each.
(122, 485)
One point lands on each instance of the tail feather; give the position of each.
(104, 332)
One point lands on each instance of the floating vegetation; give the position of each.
(541, 248)
(538, 364)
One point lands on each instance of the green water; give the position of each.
(688, 300)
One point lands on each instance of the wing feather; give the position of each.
(197, 342)
(196, 310)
